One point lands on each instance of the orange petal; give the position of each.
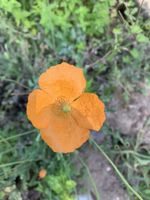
(63, 80)
(42, 100)
(38, 108)
(88, 111)
(63, 134)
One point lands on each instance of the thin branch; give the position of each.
(99, 60)
(91, 178)
(14, 81)
(18, 135)
(19, 94)
(139, 10)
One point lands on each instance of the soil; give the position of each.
(145, 5)
(108, 185)
(133, 117)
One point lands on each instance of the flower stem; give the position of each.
(15, 163)
(18, 135)
(91, 178)
(117, 170)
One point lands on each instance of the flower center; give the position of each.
(61, 106)
(66, 108)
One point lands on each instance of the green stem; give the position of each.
(14, 81)
(132, 152)
(18, 135)
(15, 168)
(66, 166)
(117, 171)
(139, 10)
(7, 151)
(91, 178)
(14, 163)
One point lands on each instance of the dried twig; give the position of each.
(99, 60)
(139, 10)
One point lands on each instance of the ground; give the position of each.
(132, 118)
(108, 185)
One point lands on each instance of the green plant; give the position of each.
(60, 185)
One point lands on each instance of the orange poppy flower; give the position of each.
(42, 173)
(62, 111)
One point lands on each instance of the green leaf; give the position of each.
(134, 52)
(135, 29)
(142, 38)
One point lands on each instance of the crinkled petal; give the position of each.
(38, 107)
(63, 133)
(63, 80)
(88, 111)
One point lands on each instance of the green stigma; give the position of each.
(66, 108)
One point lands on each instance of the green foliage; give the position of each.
(60, 185)
(92, 17)
(24, 163)
(14, 7)
(136, 29)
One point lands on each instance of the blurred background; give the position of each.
(110, 41)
